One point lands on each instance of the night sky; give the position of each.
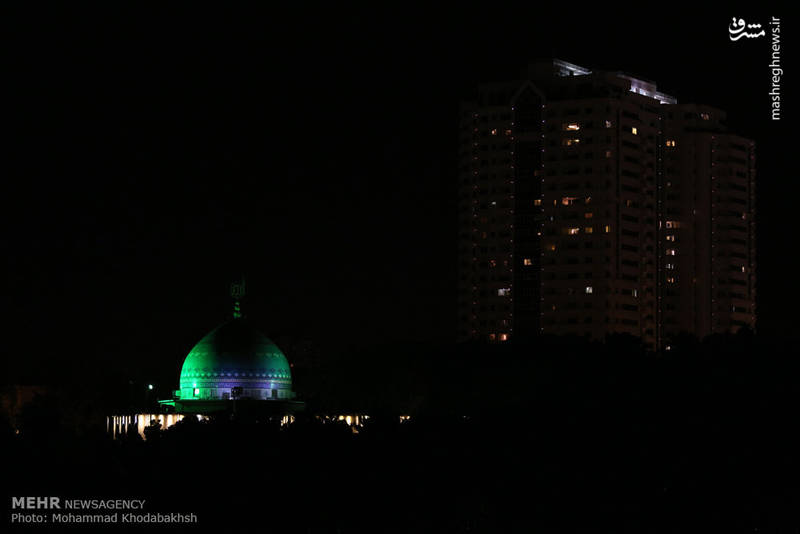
(154, 155)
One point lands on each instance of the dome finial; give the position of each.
(237, 294)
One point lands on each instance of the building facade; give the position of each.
(590, 203)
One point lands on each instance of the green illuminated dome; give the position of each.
(236, 355)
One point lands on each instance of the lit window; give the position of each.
(673, 224)
(508, 132)
(608, 153)
(588, 229)
(608, 124)
(570, 142)
(572, 231)
(588, 290)
(492, 337)
(607, 228)
(588, 215)
(670, 252)
(537, 202)
(196, 392)
(705, 116)
(670, 238)
(494, 131)
(671, 280)
(670, 142)
(572, 126)
(635, 292)
(503, 292)
(634, 131)
(492, 263)
(503, 337)
(551, 247)
(568, 201)
(527, 261)
(588, 200)
(743, 269)
(670, 266)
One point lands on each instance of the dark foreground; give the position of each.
(704, 439)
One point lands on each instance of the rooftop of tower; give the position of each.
(563, 69)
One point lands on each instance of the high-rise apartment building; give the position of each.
(590, 203)
(708, 257)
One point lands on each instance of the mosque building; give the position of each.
(233, 369)
(234, 362)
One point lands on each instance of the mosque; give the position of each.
(233, 369)
(234, 362)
